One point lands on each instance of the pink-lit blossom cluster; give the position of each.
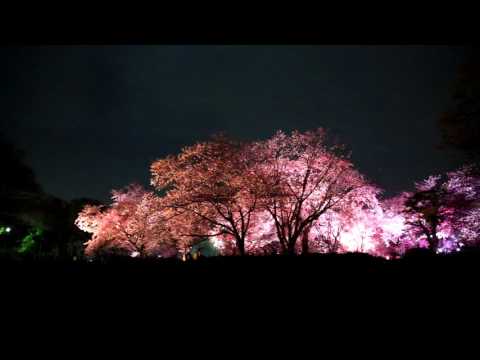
(132, 225)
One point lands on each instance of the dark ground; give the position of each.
(128, 303)
(353, 278)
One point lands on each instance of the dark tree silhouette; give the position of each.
(16, 174)
(460, 126)
(36, 217)
(427, 205)
(18, 186)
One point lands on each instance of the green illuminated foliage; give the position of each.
(28, 242)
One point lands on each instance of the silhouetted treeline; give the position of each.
(35, 224)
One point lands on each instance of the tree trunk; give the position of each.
(305, 243)
(432, 238)
(434, 241)
(284, 249)
(291, 247)
(241, 246)
(305, 247)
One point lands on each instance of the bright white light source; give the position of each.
(8, 229)
(134, 254)
(217, 243)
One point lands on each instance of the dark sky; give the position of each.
(93, 118)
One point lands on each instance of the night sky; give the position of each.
(93, 118)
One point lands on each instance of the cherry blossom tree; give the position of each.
(463, 189)
(443, 208)
(133, 224)
(301, 177)
(350, 227)
(442, 214)
(209, 186)
(90, 218)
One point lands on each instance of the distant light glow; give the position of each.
(134, 254)
(217, 243)
(8, 229)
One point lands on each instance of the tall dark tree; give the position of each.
(460, 126)
(18, 185)
(17, 175)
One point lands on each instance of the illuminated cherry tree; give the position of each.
(301, 178)
(133, 224)
(442, 214)
(444, 209)
(209, 186)
(90, 218)
(463, 188)
(352, 227)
